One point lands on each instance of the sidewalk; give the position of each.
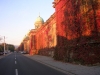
(70, 69)
(2, 56)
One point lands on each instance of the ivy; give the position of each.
(80, 26)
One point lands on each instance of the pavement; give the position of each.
(2, 56)
(68, 68)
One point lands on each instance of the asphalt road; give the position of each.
(17, 64)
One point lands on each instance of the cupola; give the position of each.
(38, 22)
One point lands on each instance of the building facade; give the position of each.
(72, 33)
(43, 38)
(78, 30)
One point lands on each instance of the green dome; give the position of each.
(38, 22)
(39, 19)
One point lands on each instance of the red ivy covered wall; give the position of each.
(32, 42)
(45, 37)
(78, 30)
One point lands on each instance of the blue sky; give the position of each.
(17, 17)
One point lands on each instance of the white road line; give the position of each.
(15, 55)
(15, 62)
(16, 71)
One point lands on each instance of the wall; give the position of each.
(78, 28)
(46, 37)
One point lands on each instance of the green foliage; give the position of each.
(11, 47)
(7, 47)
(1, 48)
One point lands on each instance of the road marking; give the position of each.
(15, 58)
(15, 62)
(16, 71)
(15, 55)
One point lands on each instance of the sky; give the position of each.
(17, 17)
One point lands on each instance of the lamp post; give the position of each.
(4, 45)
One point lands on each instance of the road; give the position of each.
(18, 64)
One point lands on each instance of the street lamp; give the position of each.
(4, 44)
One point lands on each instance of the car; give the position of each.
(21, 52)
(1, 53)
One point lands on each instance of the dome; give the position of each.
(39, 19)
(38, 22)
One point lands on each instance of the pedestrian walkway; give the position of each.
(2, 56)
(69, 69)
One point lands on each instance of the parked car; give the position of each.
(1, 53)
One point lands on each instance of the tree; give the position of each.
(7, 47)
(11, 47)
(1, 48)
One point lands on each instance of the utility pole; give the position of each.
(4, 45)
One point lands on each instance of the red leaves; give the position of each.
(78, 23)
